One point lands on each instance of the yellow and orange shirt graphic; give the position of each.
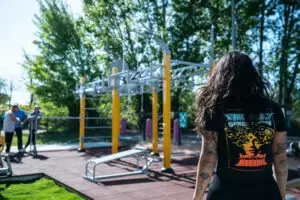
(249, 143)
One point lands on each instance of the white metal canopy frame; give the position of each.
(140, 81)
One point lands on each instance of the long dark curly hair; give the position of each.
(234, 78)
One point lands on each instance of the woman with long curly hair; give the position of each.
(243, 135)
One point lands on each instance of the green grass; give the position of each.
(43, 189)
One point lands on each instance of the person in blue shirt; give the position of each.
(18, 127)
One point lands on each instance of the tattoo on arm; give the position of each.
(206, 163)
(210, 144)
(280, 148)
(280, 161)
(204, 175)
(209, 149)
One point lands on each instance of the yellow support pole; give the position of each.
(154, 123)
(167, 113)
(118, 120)
(82, 116)
(2, 142)
(115, 115)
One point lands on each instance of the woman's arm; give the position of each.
(280, 161)
(206, 164)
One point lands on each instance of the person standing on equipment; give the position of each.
(10, 120)
(243, 135)
(34, 123)
(18, 127)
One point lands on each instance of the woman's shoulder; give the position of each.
(271, 104)
(255, 105)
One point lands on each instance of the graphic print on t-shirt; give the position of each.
(248, 142)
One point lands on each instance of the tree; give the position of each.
(261, 35)
(122, 29)
(286, 50)
(11, 89)
(2, 85)
(64, 56)
(4, 98)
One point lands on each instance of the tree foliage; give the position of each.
(4, 97)
(64, 56)
(122, 29)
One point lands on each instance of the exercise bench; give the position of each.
(137, 151)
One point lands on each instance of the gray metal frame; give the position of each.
(5, 169)
(138, 152)
(129, 82)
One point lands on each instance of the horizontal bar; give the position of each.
(97, 108)
(99, 118)
(178, 62)
(97, 127)
(186, 86)
(99, 137)
(59, 117)
(175, 77)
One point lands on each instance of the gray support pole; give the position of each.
(233, 25)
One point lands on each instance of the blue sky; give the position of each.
(17, 33)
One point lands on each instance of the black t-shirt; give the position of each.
(245, 137)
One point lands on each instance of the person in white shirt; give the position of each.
(10, 120)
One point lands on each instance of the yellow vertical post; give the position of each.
(166, 113)
(118, 120)
(82, 115)
(115, 114)
(154, 123)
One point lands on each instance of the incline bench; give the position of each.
(137, 151)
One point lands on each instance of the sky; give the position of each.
(17, 33)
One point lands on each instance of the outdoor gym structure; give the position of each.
(125, 82)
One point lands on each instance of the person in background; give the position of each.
(2, 113)
(243, 135)
(10, 120)
(21, 114)
(34, 119)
